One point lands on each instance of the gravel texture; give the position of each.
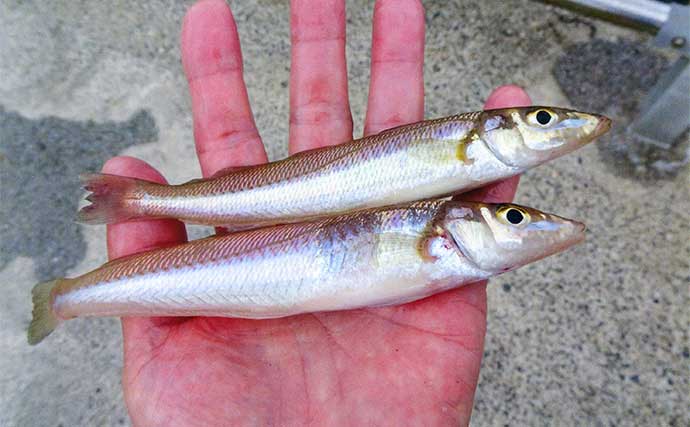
(38, 205)
(596, 336)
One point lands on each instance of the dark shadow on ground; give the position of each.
(40, 161)
(611, 77)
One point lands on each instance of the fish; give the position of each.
(429, 159)
(367, 258)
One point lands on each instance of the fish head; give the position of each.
(524, 137)
(501, 237)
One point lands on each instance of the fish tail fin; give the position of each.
(44, 320)
(110, 197)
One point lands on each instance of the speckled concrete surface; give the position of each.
(597, 336)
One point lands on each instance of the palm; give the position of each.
(393, 365)
(417, 360)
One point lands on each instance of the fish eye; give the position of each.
(513, 215)
(542, 118)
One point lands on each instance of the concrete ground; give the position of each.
(596, 336)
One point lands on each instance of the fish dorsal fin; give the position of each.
(229, 170)
(222, 172)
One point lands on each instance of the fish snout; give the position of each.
(603, 126)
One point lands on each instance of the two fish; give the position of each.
(353, 232)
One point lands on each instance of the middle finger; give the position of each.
(319, 106)
(396, 86)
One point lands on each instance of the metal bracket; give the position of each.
(665, 112)
(675, 31)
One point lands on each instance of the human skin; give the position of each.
(414, 364)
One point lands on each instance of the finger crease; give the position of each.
(230, 139)
(316, 113)
(220, 71)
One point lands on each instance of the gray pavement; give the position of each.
(596, 336)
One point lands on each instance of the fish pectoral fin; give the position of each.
(433, 247)
(463, 144)
(397, 249)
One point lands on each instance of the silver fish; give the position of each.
(367, 258)
(423, 160)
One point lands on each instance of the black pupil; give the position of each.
(543, 117)
(514, 216)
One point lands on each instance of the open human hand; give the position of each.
(416, 363)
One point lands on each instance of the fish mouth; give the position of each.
(578, 235)
(580, 230)
(603, 126)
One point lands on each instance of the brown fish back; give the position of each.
(310, 161)
(216, 248)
